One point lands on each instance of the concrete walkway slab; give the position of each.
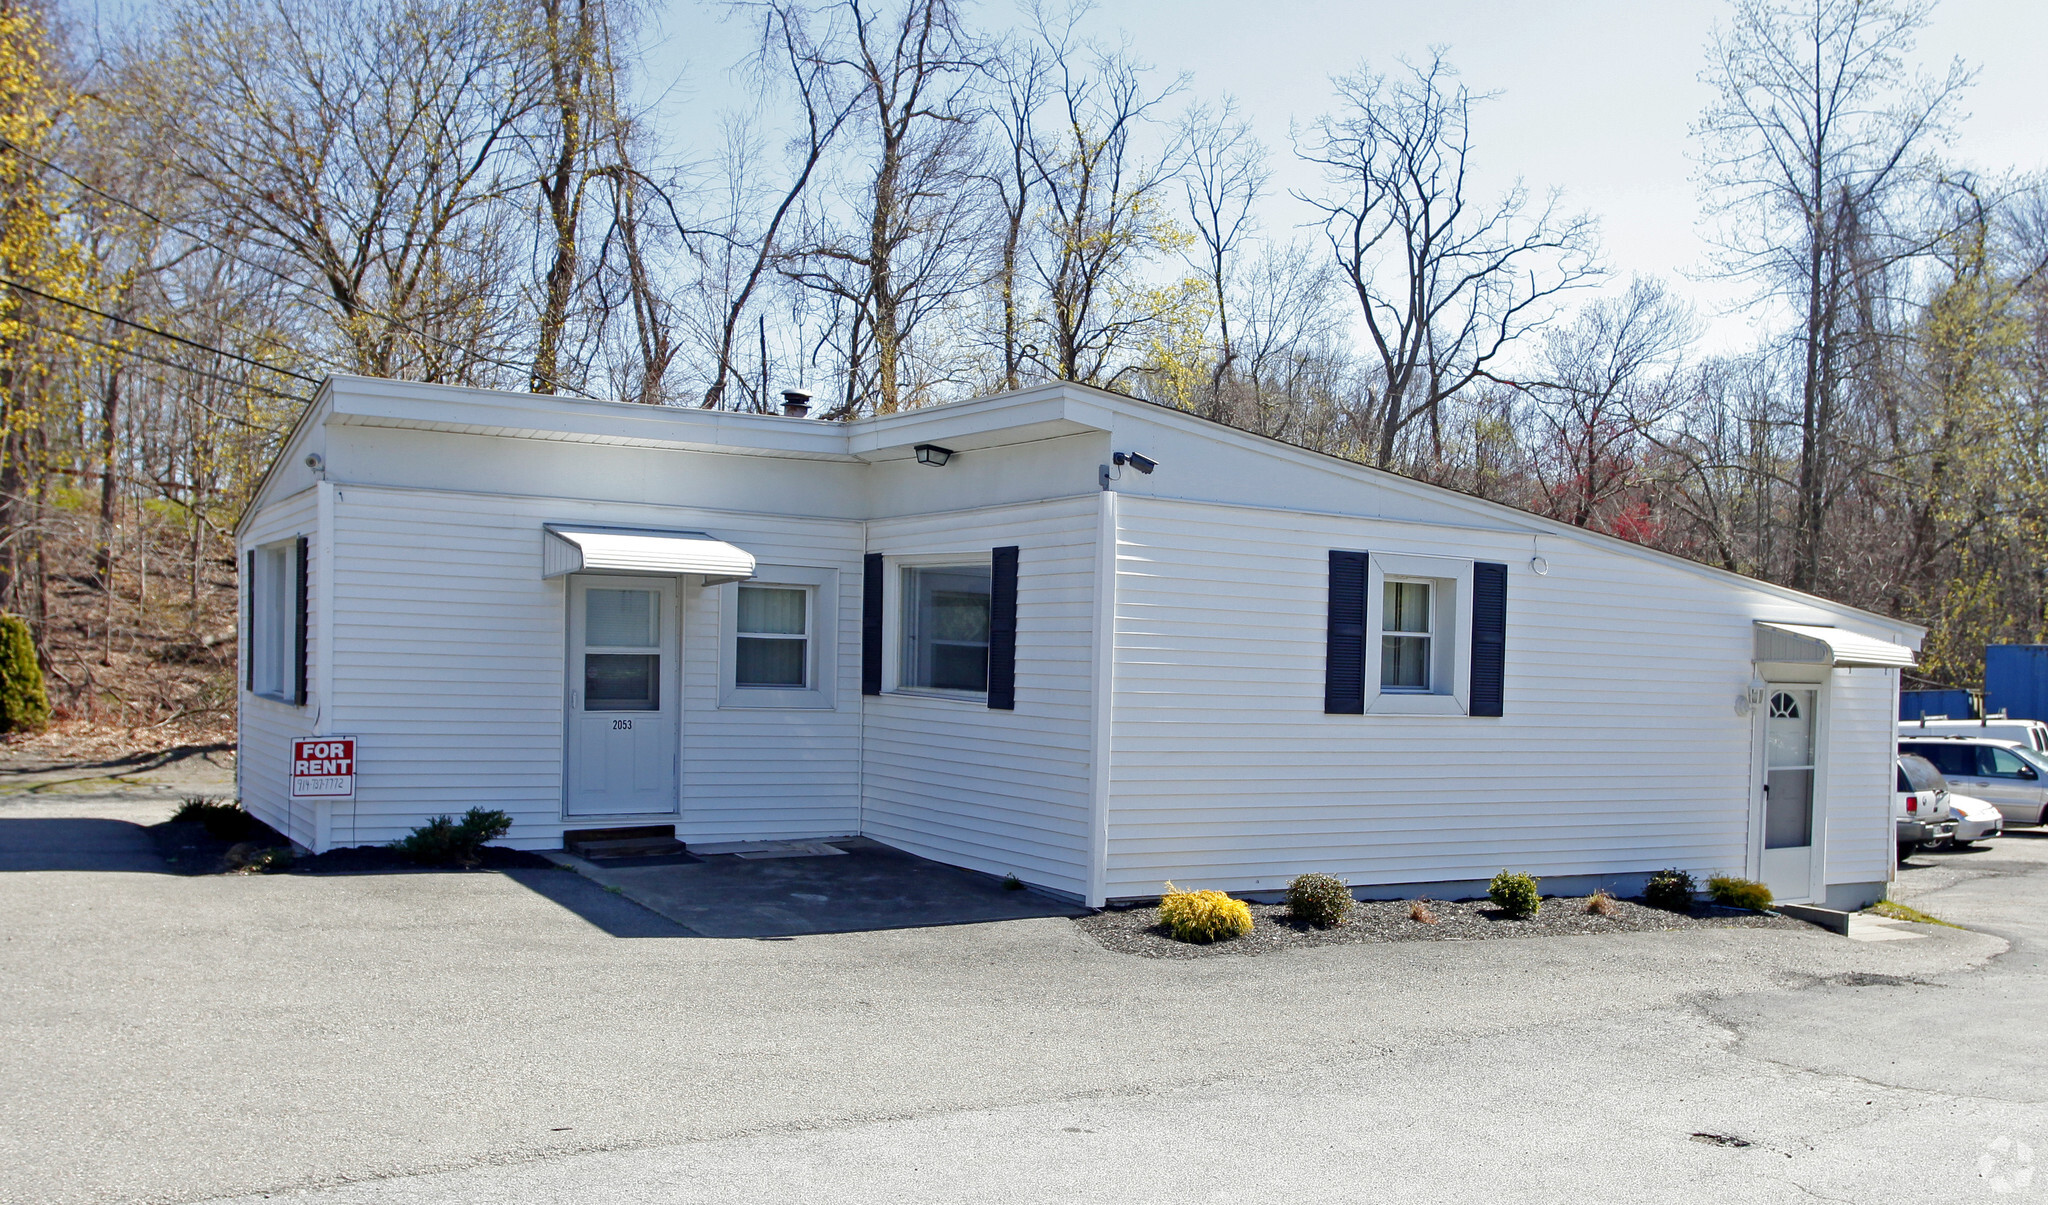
(870, 887)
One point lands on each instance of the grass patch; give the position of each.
(1896, 911)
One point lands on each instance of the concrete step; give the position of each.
(643, 848)
(644, 841)
(1827, 918)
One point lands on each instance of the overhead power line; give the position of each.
(203, 241)
(161, 334)
(144, 356)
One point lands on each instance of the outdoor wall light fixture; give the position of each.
(1137, 460)
(933, 455)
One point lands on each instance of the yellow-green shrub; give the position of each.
(1732, 892)
(1203, 916)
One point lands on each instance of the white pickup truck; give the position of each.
(1920, 809)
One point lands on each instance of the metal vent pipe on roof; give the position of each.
(796, 403)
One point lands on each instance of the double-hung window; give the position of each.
(1407, 623)
(772, 640)
(273, 616)
(777, 646)
(1417, 635)
(946, 628)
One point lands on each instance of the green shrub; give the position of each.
(1731, 892)
(1671, 890)
(1203, 916)
(1319, 899)
(223, 819)
(1515, 893)
(24, 706)
(444, 841)
(1012, 883)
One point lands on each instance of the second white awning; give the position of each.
(641, 550)
(1813, 644)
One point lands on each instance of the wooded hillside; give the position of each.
(926, 202)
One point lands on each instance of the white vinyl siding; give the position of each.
(997, 791)
(267, 722)
(1620, 751)
(450, 652)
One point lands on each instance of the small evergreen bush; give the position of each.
(1319, 899)
(1515, 893)
(1732, 892)
(444, 841)
(223, 819)
(1671, 890)
(1203, 916)
(24, 706)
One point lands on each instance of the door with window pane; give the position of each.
(1789, 820)
(622, 705)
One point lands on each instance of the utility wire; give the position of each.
(167, 224)
(161, 334)
(301, 398)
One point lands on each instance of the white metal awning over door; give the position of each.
(566, 549)
(1814, 644)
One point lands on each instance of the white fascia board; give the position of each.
(373, 402)
(1031, 414)
(314, 413)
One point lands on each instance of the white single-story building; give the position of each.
(1059, 633)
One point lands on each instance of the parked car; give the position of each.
(2006, 774)
(2031, 733)
(1976, 820)
(1920, 806)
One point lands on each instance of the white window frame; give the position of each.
(894, 601)
(821, 615)
(1450, 668)
(273, 620)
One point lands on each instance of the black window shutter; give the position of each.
(1344, 663)
(1489, 638)
(299, 674)
(249, 622)
(871, 624)
(1002, 630)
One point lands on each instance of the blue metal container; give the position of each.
(1921, 704)
(2016, 680)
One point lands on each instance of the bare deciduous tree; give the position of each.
(1445, 283)
(1817, 134)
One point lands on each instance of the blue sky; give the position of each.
(1596, 95)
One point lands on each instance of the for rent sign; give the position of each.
(324, 767)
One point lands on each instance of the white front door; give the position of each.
(622, 706)
(1789, 766)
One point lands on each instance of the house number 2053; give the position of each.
(618, 724)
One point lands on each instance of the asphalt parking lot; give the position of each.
(530, 1037)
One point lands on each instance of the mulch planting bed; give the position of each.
(188, 848)
(1136, 930)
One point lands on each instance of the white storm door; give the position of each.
(1789, 823)
(623, 712)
